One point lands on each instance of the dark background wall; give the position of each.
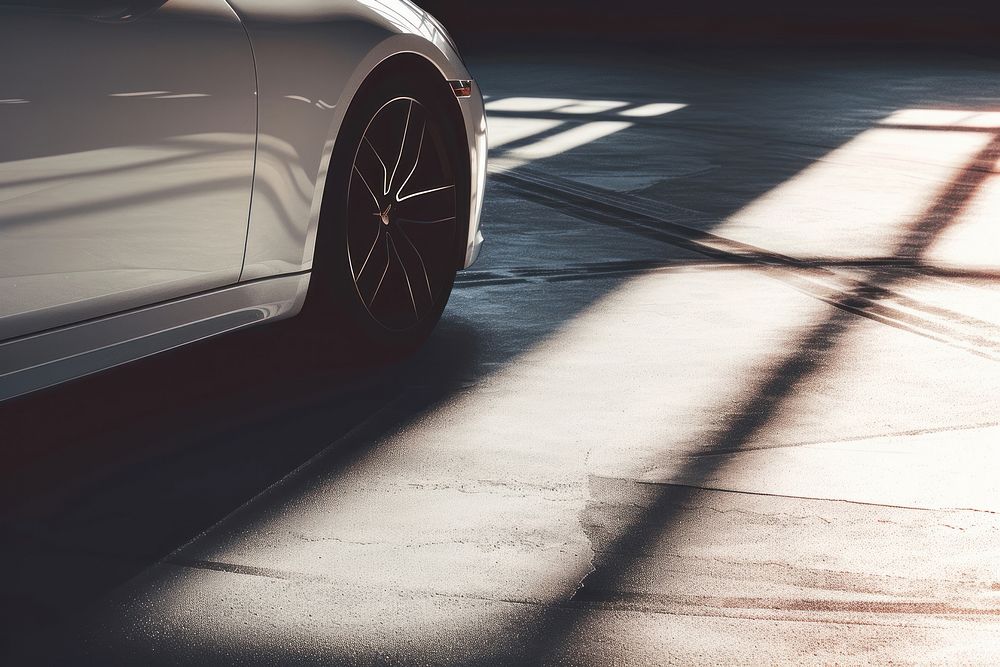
(795, 21)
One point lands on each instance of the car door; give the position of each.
(127, 137)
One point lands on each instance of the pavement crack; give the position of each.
(587, 527)
(728, 451)
(875, 606)
(513, 489)
(698, 487)
(773, 515)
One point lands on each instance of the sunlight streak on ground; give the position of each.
(568, 140)
(859, 199)
(652, 110)
(508, 130)
(959, 118)
(529, 104)
(580, 107)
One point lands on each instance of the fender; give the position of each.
(306, 54)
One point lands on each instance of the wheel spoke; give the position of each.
(388, 261)
(402, 146)
(368, 187)
(423, 193)
(425, 222)
(406, 275)
(416, 161)
(385, 170)
(428, 207)
(364, 265)
(423, 266)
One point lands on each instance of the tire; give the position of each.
(392, 216)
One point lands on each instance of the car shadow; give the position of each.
(106, 475)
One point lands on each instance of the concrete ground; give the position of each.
(723, 388)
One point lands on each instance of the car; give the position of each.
(171, 170)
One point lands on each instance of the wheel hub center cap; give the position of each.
(384, 215)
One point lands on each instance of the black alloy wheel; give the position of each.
(394, 218)
(401, 215)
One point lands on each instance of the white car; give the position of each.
(172, 170)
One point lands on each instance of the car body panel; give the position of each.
(127, 158)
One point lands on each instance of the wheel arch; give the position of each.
(302, 108)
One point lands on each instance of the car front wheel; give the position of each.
(391, 220)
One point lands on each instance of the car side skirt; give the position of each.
(41, 360)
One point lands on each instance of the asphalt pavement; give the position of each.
(722, 389)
